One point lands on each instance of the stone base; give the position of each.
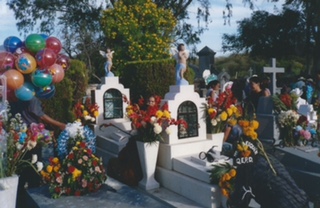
(202, 193)
(105, 155)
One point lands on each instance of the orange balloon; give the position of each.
(15, 79)
(26, 63)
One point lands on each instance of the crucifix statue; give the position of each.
(274, 70)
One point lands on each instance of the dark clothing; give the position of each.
(30, 110)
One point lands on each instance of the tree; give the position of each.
(269, 35)
(139, 31)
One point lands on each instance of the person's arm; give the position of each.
(47, 119)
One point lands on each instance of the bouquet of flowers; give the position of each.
(86, 112)
(287, 120)
(79, 173)
(15, 141)
(222, 112)
(153, 120)
(304, 131)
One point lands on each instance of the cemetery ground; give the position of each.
(116, 194)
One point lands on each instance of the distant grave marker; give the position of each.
(274, 70)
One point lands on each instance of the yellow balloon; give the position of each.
(26, 63)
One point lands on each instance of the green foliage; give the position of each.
(71, 89)
(151, 77)
(140, 31)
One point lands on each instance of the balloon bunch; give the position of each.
(32, 66)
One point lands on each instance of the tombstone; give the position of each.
(206, 59)
(274, 70)
(268, 128)
(112, 110)
(308, 111)
(178, 167)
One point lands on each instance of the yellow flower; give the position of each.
(211, 111)
(230, 112)
(49, 168)
(233, 172)
(166, 114)
(225, 192)
(82, 106)
(95, 113)
(55, 160)
(85, 113)
(56, 168)
(76, 173)
(223, 116)
(227, 176)
(255, 124)
(232, 122)
(159, 114)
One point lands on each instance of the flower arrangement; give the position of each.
(15, 141)
(287, 121)
(79, 173)
(222, 112)
(151, 121)
(86, 112)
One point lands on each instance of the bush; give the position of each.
(144, 78)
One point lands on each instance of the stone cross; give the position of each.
(274, 70)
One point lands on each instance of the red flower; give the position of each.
(71, 156)
(71, 169)
(57, 190)
(82, 145)
(77, 193)
(286, 99)
(95, 163)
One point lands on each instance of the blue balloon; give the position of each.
(44, 36)
(26, 92)
(45, 92)
(11, 43)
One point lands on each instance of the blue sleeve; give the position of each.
(35, 107)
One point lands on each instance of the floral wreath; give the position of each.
(71, 131)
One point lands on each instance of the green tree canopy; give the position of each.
(139, 31)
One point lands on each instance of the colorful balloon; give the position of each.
(45, 92)
(64, 61)
(45, 58)
(54, 44)
(57, 73)
(11, 97)
(26, 63)
(26, 92)
(35, 43)
(45, 37)
(15, 79)
(41, 78)
(12, 43)
(7, 61)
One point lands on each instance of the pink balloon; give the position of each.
(64, 61)
(7, 61)
(45, 58)
(54, 44)
(57, 73)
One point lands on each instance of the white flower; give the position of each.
(87, 118)
(19, 146)
(157, 128)
(214, 122)
(74, 129)
(168, 131)
(39, 166)
(31, 144)
(93, 119)
(153, 119)
(34, 158)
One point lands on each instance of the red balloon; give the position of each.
(45, 58)
(64, 61)
(15, 79)
(7, 61)
(57, 73)
(54, 44)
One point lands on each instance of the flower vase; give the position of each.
(8, 191)
(217, 139)
(148, 153)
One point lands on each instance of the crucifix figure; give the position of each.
(274, 70)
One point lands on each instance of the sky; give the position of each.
(211, 37)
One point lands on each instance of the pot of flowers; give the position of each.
(221, 114)
(15, 141)
(148, 124)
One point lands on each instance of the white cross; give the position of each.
(274, 70)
